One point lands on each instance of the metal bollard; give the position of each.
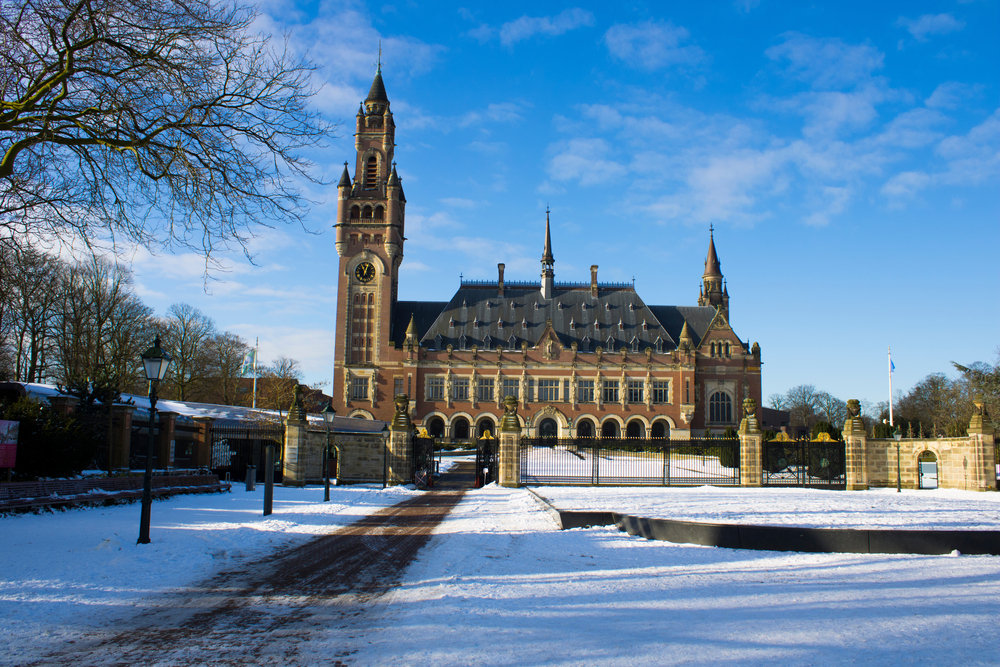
(251, 477)
(268, 478)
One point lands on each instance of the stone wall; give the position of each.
(360, 457)
(963, 463)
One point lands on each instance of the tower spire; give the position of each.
(548, 270)
(547, 251)
(378, 63)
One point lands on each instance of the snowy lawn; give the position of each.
(67, 571)
(808, 508)
(500, 586)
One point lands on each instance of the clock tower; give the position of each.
(370, 215)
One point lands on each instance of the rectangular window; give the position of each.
(566, 390)
(661, 391)
(611, 391)
(484, 390)
(548, 391)
(635, 388)
(359, 388)
(460, 389)
(585, 391)
(531, 390)
(435, 389)
(511, 387)
(397, 387)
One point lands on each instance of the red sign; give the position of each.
(8, 443)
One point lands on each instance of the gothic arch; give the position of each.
(450, 423)
(616, 420)
(485, 417)
(360, 414)
(548, 412)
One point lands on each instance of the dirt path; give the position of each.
(266, 612)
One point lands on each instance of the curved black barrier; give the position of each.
(790, 538)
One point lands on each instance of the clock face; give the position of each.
(365, 272)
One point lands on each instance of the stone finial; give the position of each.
(980, 422)
(297, 411)
(749, 423)
(854, 423)
(510, 421)
(401, 420)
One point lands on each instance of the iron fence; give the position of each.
(630, 461)
(424, 464)
(237, 444)
(809, 463)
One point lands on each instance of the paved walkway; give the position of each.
(265, 612)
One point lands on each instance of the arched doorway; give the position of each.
(460, 429)
(548, 428)
(660, 429)
(927, 462)
(585, 429)
(609, 429)
(485, 426)
(634, 429)
(435, 427)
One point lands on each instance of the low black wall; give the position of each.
(788, 538)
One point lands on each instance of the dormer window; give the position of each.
(487, 342)
(451, 323)
(607, 306)
(659, 345)
(437, 342)
(572, 324)
(610, 344)
(586, 344)
(635, 344)
(461, 342)
(512, 342)
(475, 323)
(621, 325)
(645, 327)
(631, 306)
(524, 323)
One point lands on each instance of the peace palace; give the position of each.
(582, 359)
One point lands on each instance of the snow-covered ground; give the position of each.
(499, 585)
(938, 509)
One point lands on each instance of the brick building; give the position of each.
(583, 359)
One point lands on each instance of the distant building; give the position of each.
(774, 420)
(583, 359)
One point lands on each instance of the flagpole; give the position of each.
(891, 423)
(256, 351)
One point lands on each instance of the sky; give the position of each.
(847, 155)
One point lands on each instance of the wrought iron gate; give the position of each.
(237, 444)
(630, 461)
(424, 465)
(813, 463)
(486, 461)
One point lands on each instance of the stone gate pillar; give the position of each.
(295, 471)
(203, 442)
(166, 422)
(751, 442)
(510, 445)
(855, 445)
(399, 454)
(981, 437)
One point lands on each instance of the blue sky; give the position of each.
(847, 154)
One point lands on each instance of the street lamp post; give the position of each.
(155, 363)
(897, 434)
(328, 414)
(385, 451)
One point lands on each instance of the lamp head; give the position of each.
(328, 414)
(897, 434)
(385, 431)
(155, 362)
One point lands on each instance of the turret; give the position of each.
(712, 291)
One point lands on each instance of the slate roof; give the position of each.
(488, 320)
(377, 92)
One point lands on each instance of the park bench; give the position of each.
(61, 492)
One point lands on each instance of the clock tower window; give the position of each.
(371, 173)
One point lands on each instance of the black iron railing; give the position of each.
(236, 445)
(424, 463)
(630, 461)
(811, 463)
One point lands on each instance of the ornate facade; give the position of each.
(582, 359)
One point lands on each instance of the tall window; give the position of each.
(363, 328)
(548, 391)
(397, 387)
(371, 173)
(565, 395)
(635, 389)
(611, 391)
(511, 387)
(720, 408)
(484, 390)
(359, 388)
(661, 391)
(585, 391)
(435, 389)
(460, 389)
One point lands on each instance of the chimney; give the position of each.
(593, 280)
(500, 268)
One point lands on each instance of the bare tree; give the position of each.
(161, 122)
(277, 384)
(225, 355)
(32, 286)
(187, 334)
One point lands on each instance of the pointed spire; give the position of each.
(547, 252)
(411, 328)
(393, 178)
(686, 333)
(345, 178)
(712, 267)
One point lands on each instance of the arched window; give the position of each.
(727, 350)
(712, 347)
(485, 426)
(379, 213)
(355, 212)
(366, 212)
(633, 429)
(585, 429)
(548, 429)
(371, 173)
(460, 429)
(720, 408)
(660, 429)
(435, 428)
(609, 429)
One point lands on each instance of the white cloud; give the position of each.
(586, 161)
(930, 24)
(529, 26)
(949, 95)
(651, 45)
(458, 202)
(826, 63)
(745, 6)
(905, 184)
